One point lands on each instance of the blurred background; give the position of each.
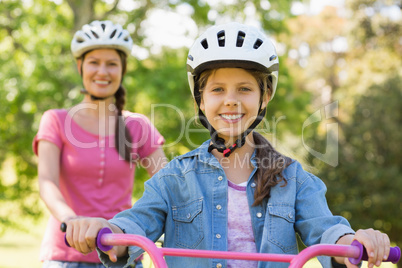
(337, 108)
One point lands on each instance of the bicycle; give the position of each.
(355, 252)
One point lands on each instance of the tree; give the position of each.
(366, 187)
(364, 76)
(368, 178)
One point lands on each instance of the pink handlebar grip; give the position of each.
(394, 254)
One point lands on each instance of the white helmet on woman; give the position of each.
(233, 45)
(101, 34)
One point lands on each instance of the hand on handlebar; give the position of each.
(81, 234)
(377, 246)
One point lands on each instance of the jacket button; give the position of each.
(290, 216)
(220, 178)
(253, 184)
(218, 207)
(218, 236)
(259, 215)
(219, 265)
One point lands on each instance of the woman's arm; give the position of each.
(48, 175)
(154, 162)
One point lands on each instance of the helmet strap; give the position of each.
(218, 143)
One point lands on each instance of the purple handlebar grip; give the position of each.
(65, 241)
(394, 254)
(98, 239)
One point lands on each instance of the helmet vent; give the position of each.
(257, 43)
(113, 34)
(204, 43)
(95, 34)
(221, 38)
(88, 37)
(80, 40)
(240, 38)
(103, 26)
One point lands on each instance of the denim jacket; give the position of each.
(187, 202)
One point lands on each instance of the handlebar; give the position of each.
(355, 252)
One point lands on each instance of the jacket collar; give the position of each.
(205, 157)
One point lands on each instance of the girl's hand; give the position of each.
(377, 245)
(81, 235)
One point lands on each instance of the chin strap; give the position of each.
(225, 151)
(218, 143)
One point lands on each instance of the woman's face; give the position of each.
(101, 72)
(231, 101)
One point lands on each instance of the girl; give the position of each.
(87, 153)
(235, 192)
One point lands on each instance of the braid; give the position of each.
(122, 135)
(271, 164)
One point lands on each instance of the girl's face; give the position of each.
(101, 72)
(231, 100)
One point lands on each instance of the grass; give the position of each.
(20, 249)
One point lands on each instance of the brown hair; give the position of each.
(270, 162)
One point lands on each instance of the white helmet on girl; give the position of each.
(101, 34)
(232, 45)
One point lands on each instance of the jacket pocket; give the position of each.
(281, 226)
(188, 224)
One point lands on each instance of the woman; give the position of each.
(88, 153)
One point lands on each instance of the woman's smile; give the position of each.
(102, 82)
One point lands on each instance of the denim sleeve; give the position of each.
(145, 218)
(331, 236)
(315, 222)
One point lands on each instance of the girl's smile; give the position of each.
(232, 118)
(231, 101)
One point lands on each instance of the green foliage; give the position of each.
(366, 185)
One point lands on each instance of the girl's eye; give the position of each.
(218, 89)
(245, 89)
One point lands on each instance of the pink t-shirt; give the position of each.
(94, 179)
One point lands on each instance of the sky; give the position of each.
(178, 29)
